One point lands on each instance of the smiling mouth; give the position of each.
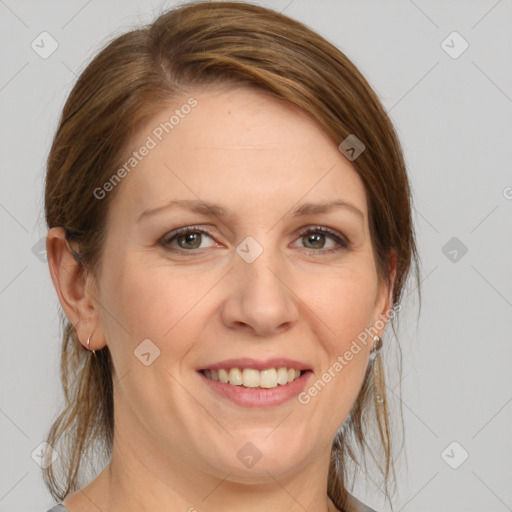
(251, 378)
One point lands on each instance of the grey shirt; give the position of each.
(361, 507)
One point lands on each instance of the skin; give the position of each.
(176, 442)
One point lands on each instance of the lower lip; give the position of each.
(258, 397)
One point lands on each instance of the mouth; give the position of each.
(269, 378)
(250, 382)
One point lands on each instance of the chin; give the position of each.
(251, 461)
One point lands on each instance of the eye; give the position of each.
(316, 237)
(187, 238)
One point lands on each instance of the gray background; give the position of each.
(453, 116)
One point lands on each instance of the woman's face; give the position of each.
(246, 282)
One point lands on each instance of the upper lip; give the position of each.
(257, 364)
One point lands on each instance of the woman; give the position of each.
(230, 231)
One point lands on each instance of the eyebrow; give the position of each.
(207, 208)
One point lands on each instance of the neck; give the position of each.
(145, 474)
(133, 482)
(138, 486)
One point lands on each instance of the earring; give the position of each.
(88, 340)
(376, 348)
(377, 377)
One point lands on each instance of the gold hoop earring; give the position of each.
(88, 340)
(376, 372)
(376, 348)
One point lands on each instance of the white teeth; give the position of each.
(223, 376)
(268, 378)
(251, 378)
(282, 376)
(235, 377)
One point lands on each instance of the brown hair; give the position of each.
(197, 45)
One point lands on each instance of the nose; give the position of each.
(259, 296)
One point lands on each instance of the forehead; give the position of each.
(239, 147)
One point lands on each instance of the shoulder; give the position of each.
(58, 508)
(357, 506)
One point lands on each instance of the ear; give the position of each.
(384, 301)
(76, 289)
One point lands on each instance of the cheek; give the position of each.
(345, 306)
(153, 303)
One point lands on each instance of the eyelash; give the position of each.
(342, 242)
